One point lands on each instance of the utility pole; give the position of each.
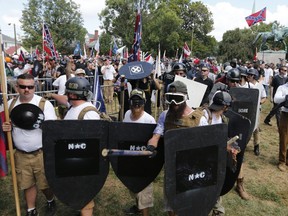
(15, 39)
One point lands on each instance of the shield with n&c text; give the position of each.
(74, 167)
(135, 172)
(195, 165)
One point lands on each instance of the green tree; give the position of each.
(168, 23)
(63, 19)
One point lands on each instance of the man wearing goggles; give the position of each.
(178, 115)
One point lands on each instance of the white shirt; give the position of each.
(60, 83)
(74, 112)
(268, 75)
(280, 95)
(31, 140)
(145, 118)
(108, 72)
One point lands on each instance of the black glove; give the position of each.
(286, 102)
(151, 148)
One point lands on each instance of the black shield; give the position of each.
(136, 70)
(195, 165)
(135, 173)
(74, 167)
(246, 103)
(37, 68)
(240, 126)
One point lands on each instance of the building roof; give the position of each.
(6, 38)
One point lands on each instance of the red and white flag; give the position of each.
(186, 51)
(48, 44)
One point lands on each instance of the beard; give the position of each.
(176, 111)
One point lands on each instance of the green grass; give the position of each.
(266, 185)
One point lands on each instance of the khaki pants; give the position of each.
(108, 90)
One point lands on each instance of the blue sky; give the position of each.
(227, 14)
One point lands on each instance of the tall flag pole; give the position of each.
(48, 44)
(137, 35)
(253, 8)
(9, 135)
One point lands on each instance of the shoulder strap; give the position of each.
(13, 104)
(85, 110)
(41, 104)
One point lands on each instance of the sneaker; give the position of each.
(50, 208)
(256, 150)
(282, 167)
(32, 213)
(132, 211)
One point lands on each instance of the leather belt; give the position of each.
(32, 152)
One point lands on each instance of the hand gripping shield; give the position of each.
(238, 125)
(195, 165)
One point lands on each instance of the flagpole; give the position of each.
(9, 136)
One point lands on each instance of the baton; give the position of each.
(120, 152)
(232, 140)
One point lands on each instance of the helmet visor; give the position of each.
(176, 98)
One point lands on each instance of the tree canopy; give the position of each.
(168, 23)
(63, 18)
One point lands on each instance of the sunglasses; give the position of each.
(24, 87)
(204, 70)
(176, 98)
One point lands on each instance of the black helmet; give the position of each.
(233, 74)
(79, 86)
(243, 71)
(253, 71)
(233, 63)
(179, 67)
(220, 99)
(27, 116)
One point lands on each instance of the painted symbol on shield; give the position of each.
(136, 70)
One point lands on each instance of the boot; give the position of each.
(256, 150)
(240, 189)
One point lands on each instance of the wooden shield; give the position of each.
(135, 173)
(74, 167)
(240, 126)
(195, 165)
(136, 70)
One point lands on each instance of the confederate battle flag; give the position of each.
(48, 44)
(256, 17)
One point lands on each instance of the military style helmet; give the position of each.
(220, 99)
(79, 86)
(233, 74)
(243, 71)
(253, 71)
(179, 67)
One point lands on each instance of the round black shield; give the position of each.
(136, 70)
(27, 116)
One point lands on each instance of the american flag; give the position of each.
(137, 35)
(256, 17)
(48, 44)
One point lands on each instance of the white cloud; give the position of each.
(227, 17)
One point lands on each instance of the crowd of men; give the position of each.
(67, 76)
